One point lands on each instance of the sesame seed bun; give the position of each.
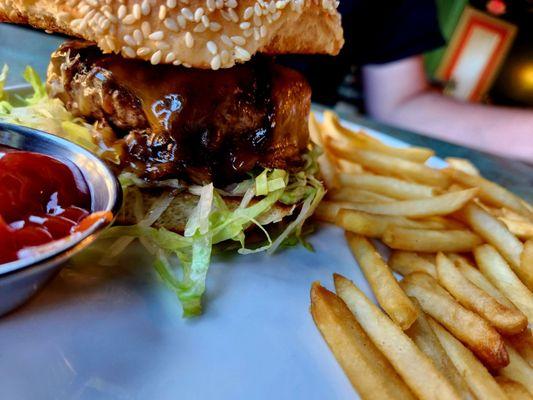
(194, 33)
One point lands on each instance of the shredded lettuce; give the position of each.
(50, 115)
(182, 261)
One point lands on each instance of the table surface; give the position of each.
(21, 46)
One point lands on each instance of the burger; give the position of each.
(184, 100)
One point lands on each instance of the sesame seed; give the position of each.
(263, 31)
(212, 47)
(104, 24)
(257, 35)
(157, 35)
(110, 43)
(137, 11)
(145, 7)
(271, 7)
(248, 33)
(184, 1)
(210, 4)
(233, 15)
(276, 15)
(215, 62)
(143, 51)
(215, 26)
(128, 52)
(280, 4)
(238, 40)
(84, 8)
(170, 57)
(241, 54)
(187, 13)
(182, 22)
(189, 40)
(162, 12)
(244, 25)
(176, 62)
(186, 65)
(172, 4)
(198, 14)
(171, 24)
(162, 45)
(219, 4)
(231, 3)
(199, 28)
(121, 12)
(129, 40)
(226, 40)
(128, 19)
(257, 9)
(225, 15)
(156, 57)
(257, 21)
(138, 36)
(224, 56)
(248, 13)
(146, 28)
(110, 16)
(205, 20)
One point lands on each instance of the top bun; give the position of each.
(194, 33)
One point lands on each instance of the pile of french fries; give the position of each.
(457, 324)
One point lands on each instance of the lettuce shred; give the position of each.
(182, 261)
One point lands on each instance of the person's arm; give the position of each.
(398, 93)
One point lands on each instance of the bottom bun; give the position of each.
(175, 217)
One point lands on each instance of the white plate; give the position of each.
(116, 333)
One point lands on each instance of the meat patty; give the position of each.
(198, 125)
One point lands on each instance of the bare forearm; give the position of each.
(398, 93)
(500, 130)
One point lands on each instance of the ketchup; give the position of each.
(41, 200)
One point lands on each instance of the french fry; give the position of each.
(390, 296)
(327, 210)
(513, 390)
(520, 228)
(392, 187)
(468, 327)
(357, 196)
(496, 233)
(478, 379)
(518, 370)
(430, 241)
(416, 369)
(438, 205)
(334, 128)
(327, 167)
(526, 264)
(314, 130)
(506, 320)
(463, 165)
(523, 343)
(490, 192)
(366, 368)
(384, 164)
(426, 340)
(477, 278)
(372, 225)
(348, 167)
(496, 269)
(406, 262)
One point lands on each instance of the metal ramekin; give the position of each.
(21, 279)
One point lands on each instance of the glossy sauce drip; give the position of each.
(221, 119)
(41, 200)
